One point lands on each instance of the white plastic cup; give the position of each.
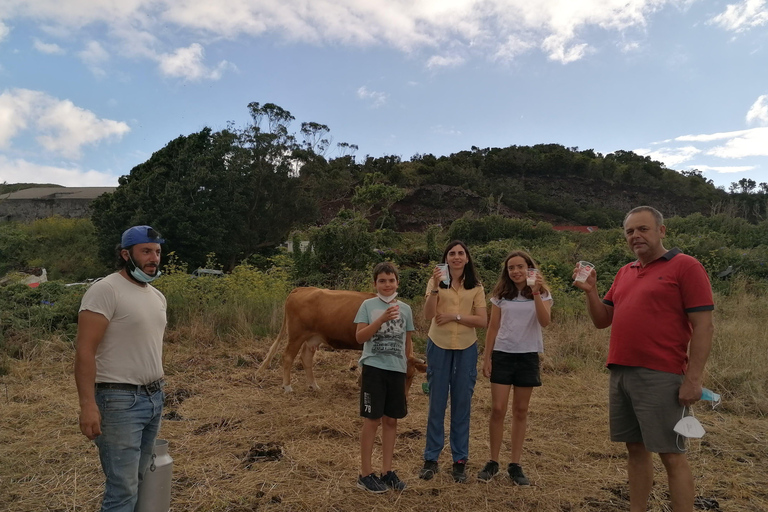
(530, 278)
(397, 316)
(585, 268)
(446, 277)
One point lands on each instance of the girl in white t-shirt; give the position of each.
(513, 343)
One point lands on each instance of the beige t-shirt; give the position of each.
(132, 349)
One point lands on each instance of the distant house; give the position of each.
(303, 245)
(580, 229)
(38, 203)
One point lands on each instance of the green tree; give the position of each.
(343, 244)
(13, 240)
(744, 186)
(375, 197)
(233, 192)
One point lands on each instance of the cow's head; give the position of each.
(414, 365)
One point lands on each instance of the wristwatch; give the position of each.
(458, 318)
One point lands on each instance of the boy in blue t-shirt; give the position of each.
(384, 325)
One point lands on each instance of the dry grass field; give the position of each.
(241, 445)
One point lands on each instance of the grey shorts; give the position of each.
(644, 407)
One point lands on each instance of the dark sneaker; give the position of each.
(517, 475)
(458, 473)
(371, 483)
(490, 470)
(392, 481)
(429, 470)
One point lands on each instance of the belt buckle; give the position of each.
(153, 387)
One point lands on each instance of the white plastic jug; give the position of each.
(155, 488)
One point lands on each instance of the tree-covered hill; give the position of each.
(241, 191)
(548, 181)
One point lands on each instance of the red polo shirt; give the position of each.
(650, 325)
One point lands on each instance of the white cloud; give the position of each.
(377, 99)
(723, 169)
(94, 56)
(187, 63)
(709, 137)
(735, 144)
(742, 16)
(4, 30)
(22, 171)
(512, 47)
(49, 48)
(61, 127)
(671, 157)
(496, 29)
(442, 130)
(629, 46)
(758, 112)
(557, 47)
(752, 142)
(444, 61)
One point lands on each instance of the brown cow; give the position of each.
(313, 316)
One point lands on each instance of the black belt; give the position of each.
(150, 388)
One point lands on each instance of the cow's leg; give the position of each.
(307, 359)
(291, 350)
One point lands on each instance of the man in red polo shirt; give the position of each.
(660, 309)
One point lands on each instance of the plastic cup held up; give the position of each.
(444, 273)
(585, 268)
(530, 278)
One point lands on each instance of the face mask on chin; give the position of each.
(139, 275)
(387, 298)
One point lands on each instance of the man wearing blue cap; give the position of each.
(118, 366)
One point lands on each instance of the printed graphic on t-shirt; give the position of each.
(389, 338)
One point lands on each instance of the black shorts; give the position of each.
(382, 393)
(519, 370)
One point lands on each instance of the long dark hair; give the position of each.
(505, 288)
(469, 275)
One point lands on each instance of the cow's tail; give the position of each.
(273, 349)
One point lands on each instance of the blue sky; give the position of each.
(90, 88)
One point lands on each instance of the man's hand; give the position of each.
(690, 393)
(588, 285)
(90, 331)
(90, 421)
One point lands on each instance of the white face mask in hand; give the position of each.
(689, 426)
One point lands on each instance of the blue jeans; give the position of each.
(130, 421)
(454, 372)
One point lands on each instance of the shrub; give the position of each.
(33, 313)
(246, 302)
(341, 245)
(496, 227)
